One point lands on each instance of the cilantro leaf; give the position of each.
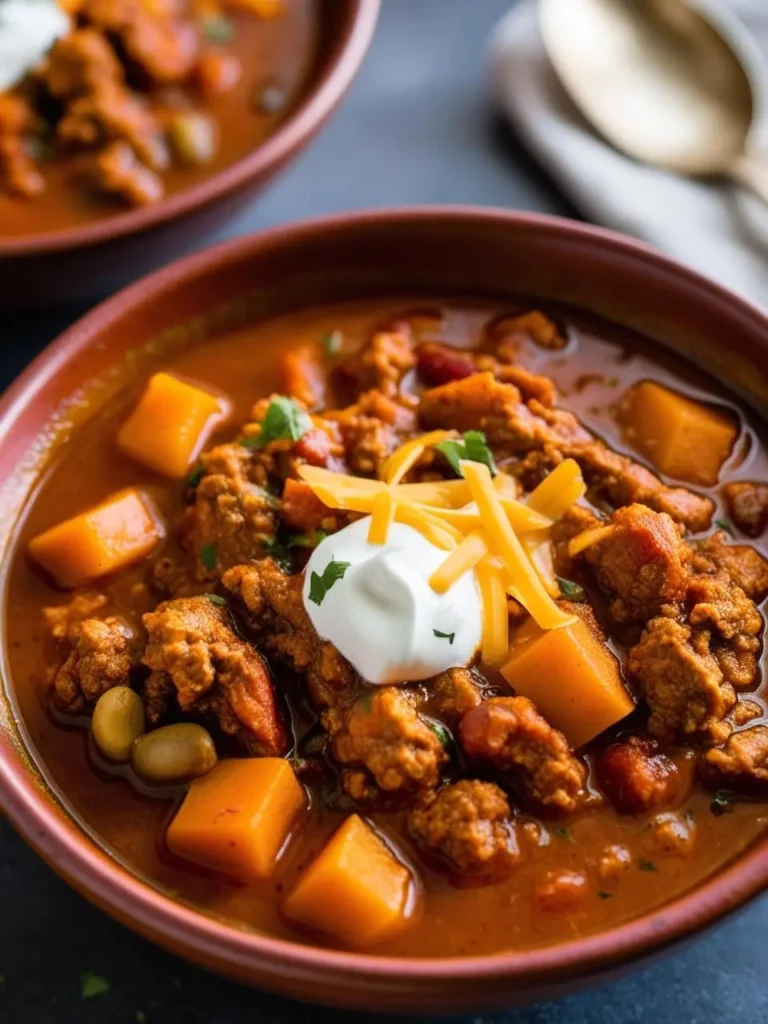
(307, 540)
(722, 803)
(647, 865)
(215, 599)
(570, 590)
(450, 637)
(320, 585)
(195, 476)
(92, 985)
(218, 29)
(208, 556)
(472, 447)
(284, 421)
(441, 732)
(333, 342)
(725, 524)
(279, 553)
(564, 834)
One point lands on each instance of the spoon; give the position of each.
(675, 83)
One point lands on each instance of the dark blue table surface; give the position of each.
(416, 128)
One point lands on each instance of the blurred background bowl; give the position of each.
(86, 263)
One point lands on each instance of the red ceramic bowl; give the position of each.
(93, 260)
(474, 252)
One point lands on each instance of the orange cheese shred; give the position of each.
(553, 497)
(407, 455)
(461, 560)
(586, 539)
(495, 642)
(382, 515)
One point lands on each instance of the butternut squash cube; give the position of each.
(571, 677)
(355, 890)
(682, 438)
(170, 425)
(113, 535)
(238, 817)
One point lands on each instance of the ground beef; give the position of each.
(275, 611)
(117, 171)
(234, 518)
(380, 364)
(18, 171)
(371, 429)
(64, 620)
(641, 562)
(681, 681)
(636, 777)
(530, 385)
(469, 826)
(513, 428)
(101, 656)
(451, 694)
(509, 734)
(575, 521)
(113, 114)
(80, 64)
(383, 733)
(718, 604)
(748, 506)
(746, 567)
(741, 765)
(192, 645)
(509, 332)
(301, 509)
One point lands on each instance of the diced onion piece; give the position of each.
(506, 544)
(407, 455)
(382, 515)
(550, 496)
(587, 539)
(437, 533)
(495, 643)
(462, 559)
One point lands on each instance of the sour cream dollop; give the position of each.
(28, 29)
(382, 614)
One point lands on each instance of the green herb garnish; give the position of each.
(333, 343)
(195, 476)
(725, 524)
(307, 540)
(564, 834)
(279, 553)
(92, 985)
(647, 865)
(722, 803)
(570, 590)
(208, 556)
(215, 599)
(473, 447)
(320, 585)
(284, 421)
(603, 895)
(442, 733)
(450, 637)
(217, 29)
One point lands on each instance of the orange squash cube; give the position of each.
(682, 438)
(355, 890)
(571, 677)
(238, 817)
(100, 541)
(170, 425)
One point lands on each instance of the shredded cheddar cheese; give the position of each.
(461, 560)
(382, 515)
(407, 455)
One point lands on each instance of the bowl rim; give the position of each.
(351, 46)
(204, 939)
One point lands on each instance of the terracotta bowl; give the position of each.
(94, 260)
(480, 253)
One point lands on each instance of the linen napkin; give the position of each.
(716, 227)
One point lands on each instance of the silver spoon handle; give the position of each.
(752, 170)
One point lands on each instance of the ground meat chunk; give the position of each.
(64, 620)
(530, 385)
(681, 681)
(636, 777)
(233, 517)
(718, 604)
(641, 562)
(384, 734)
(575, 521)
(748, 506)
(101, 656)
(510, 331)
(113, 114)
(510, 734)
(192, 645)
(469, 826)
(18, 171)
(371, 429)
(746, 567)
(382, 363)
(455, 692)
(80, 64)
(301, 509)
(117, 171)
(741, 765)
(276, 615)
(561, 891)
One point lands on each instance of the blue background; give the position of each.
(417, 127)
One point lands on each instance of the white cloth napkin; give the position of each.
(717, 228)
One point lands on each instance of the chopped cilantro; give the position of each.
(333, 342)
(563, 833)
(92, 985)
(208, 556)
(279, 553)
(284, 421)
(307, 540)
(722, 803)
(218, 29)
(441, 732)
(724, 524)
(450, 637)
(195, 476)
(473, 447)
(603, 895)
(320, 585)
(215, 599)
(647, 865)
(570, 590)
